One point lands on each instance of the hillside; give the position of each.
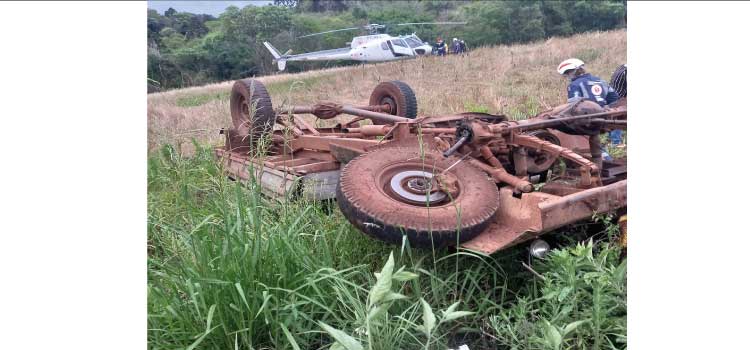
(517, 80)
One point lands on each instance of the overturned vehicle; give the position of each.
(477, 180)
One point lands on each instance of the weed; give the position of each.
(580, 304)
(471, 107)
(526, 109)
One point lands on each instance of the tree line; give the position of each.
(186, 49)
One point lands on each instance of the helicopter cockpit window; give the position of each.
(384, 46)
(413, 42)
(399, 42)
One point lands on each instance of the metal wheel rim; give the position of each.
(405, 185)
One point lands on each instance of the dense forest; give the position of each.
(186, 49)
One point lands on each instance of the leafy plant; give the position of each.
(579, 304)
(379, 300)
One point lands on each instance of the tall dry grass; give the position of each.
(517, 80)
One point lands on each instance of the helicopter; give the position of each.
(374, 47)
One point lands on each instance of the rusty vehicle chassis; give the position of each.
(304, 160)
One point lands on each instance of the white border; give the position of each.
(688, 155)
(73, 206)
(73, 252)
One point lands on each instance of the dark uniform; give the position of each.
(589, 87)
(456, 47)
(441, 48)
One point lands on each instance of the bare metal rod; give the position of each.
(310, 109)
(541, 124)
(610, 122)
(456, 146)
(296, 110)
(376, 116)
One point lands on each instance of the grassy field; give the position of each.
(518, 81)
(229, 268)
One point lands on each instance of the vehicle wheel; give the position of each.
(398, 95)
(385, 194)
(251, 109)
(538, 162)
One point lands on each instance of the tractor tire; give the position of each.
(398, 95)
(251, 108)
(379, 193)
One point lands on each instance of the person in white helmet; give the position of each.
(455, 46)
(586, 86)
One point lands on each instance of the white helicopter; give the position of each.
(367, 48)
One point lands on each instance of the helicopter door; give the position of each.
(399, 48)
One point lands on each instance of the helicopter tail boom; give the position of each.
(277, 58)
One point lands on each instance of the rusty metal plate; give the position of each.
(520, 219)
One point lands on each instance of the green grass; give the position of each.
(274, 88)
(476, 108)
(229, 268)
(524, 110)
(285, 87)
(199, 100)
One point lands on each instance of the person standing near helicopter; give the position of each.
(441, 47)
(456, 46)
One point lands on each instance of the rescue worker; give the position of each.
(441, 47)
(586, 86)
(455, 46)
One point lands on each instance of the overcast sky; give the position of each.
(200, 7)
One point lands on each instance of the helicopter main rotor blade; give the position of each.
(329, 31)
(421, 23)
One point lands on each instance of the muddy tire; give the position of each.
(251, 109)
(398, 95)
(379, 193)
